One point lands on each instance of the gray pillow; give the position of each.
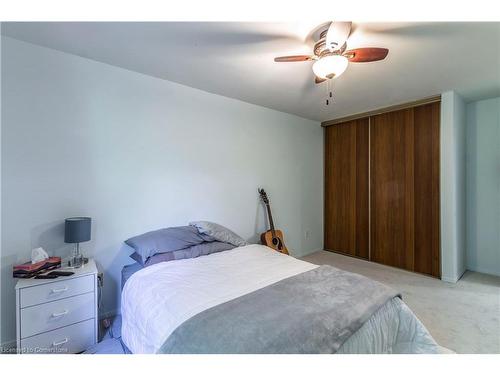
(165, 240)
(218, 232)
(195, 251)
(135, 256)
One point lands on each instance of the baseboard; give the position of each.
(485, 271)
(453, 280)
(310, 252)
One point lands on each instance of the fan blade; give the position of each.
(366, 54)
(293, 58)
(319, 80)
(337, 35)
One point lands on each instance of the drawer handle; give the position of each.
(60, 342)
(55, 315)
(65, 289)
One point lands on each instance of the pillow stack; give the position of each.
(197, 239)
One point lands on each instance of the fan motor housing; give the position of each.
(320, 49)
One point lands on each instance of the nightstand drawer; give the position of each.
(36, 295)
(71, 339)
(52, 315)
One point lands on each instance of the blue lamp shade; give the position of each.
(77, 229)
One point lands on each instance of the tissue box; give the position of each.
(28, 269)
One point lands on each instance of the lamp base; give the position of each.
(77, 262)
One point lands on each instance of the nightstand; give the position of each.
(58, 315)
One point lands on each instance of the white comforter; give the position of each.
(159, 298)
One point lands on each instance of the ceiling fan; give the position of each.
(331, 56)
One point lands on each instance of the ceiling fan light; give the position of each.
(330, 66)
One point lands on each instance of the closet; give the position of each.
(382, 187)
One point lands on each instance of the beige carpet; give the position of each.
(464, 317)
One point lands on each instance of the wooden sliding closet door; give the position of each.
(404, 188)
(392, 188)
(346, 188)
(382, 194)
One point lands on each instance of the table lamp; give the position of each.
(76, 230)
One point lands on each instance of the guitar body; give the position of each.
(274, 240)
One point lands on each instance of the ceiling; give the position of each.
(236, 59)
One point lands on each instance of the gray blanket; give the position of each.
(313, 312)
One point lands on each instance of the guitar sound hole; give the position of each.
(277, 243)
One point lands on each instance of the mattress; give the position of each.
(158, 299)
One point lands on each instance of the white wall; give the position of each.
(138, 153)
(452, 186)
(483, 186)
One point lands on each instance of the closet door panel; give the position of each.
(362, 189)
(346, 188)
(392, 188)
(340, 188)
(427, 213)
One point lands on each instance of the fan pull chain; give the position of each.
(327, 86)
(329, 89)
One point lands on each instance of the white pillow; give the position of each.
(218, 232)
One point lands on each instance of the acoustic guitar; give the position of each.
(273, 237)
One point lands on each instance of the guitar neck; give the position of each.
(270, 215)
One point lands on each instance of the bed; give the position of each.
(255, 300)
